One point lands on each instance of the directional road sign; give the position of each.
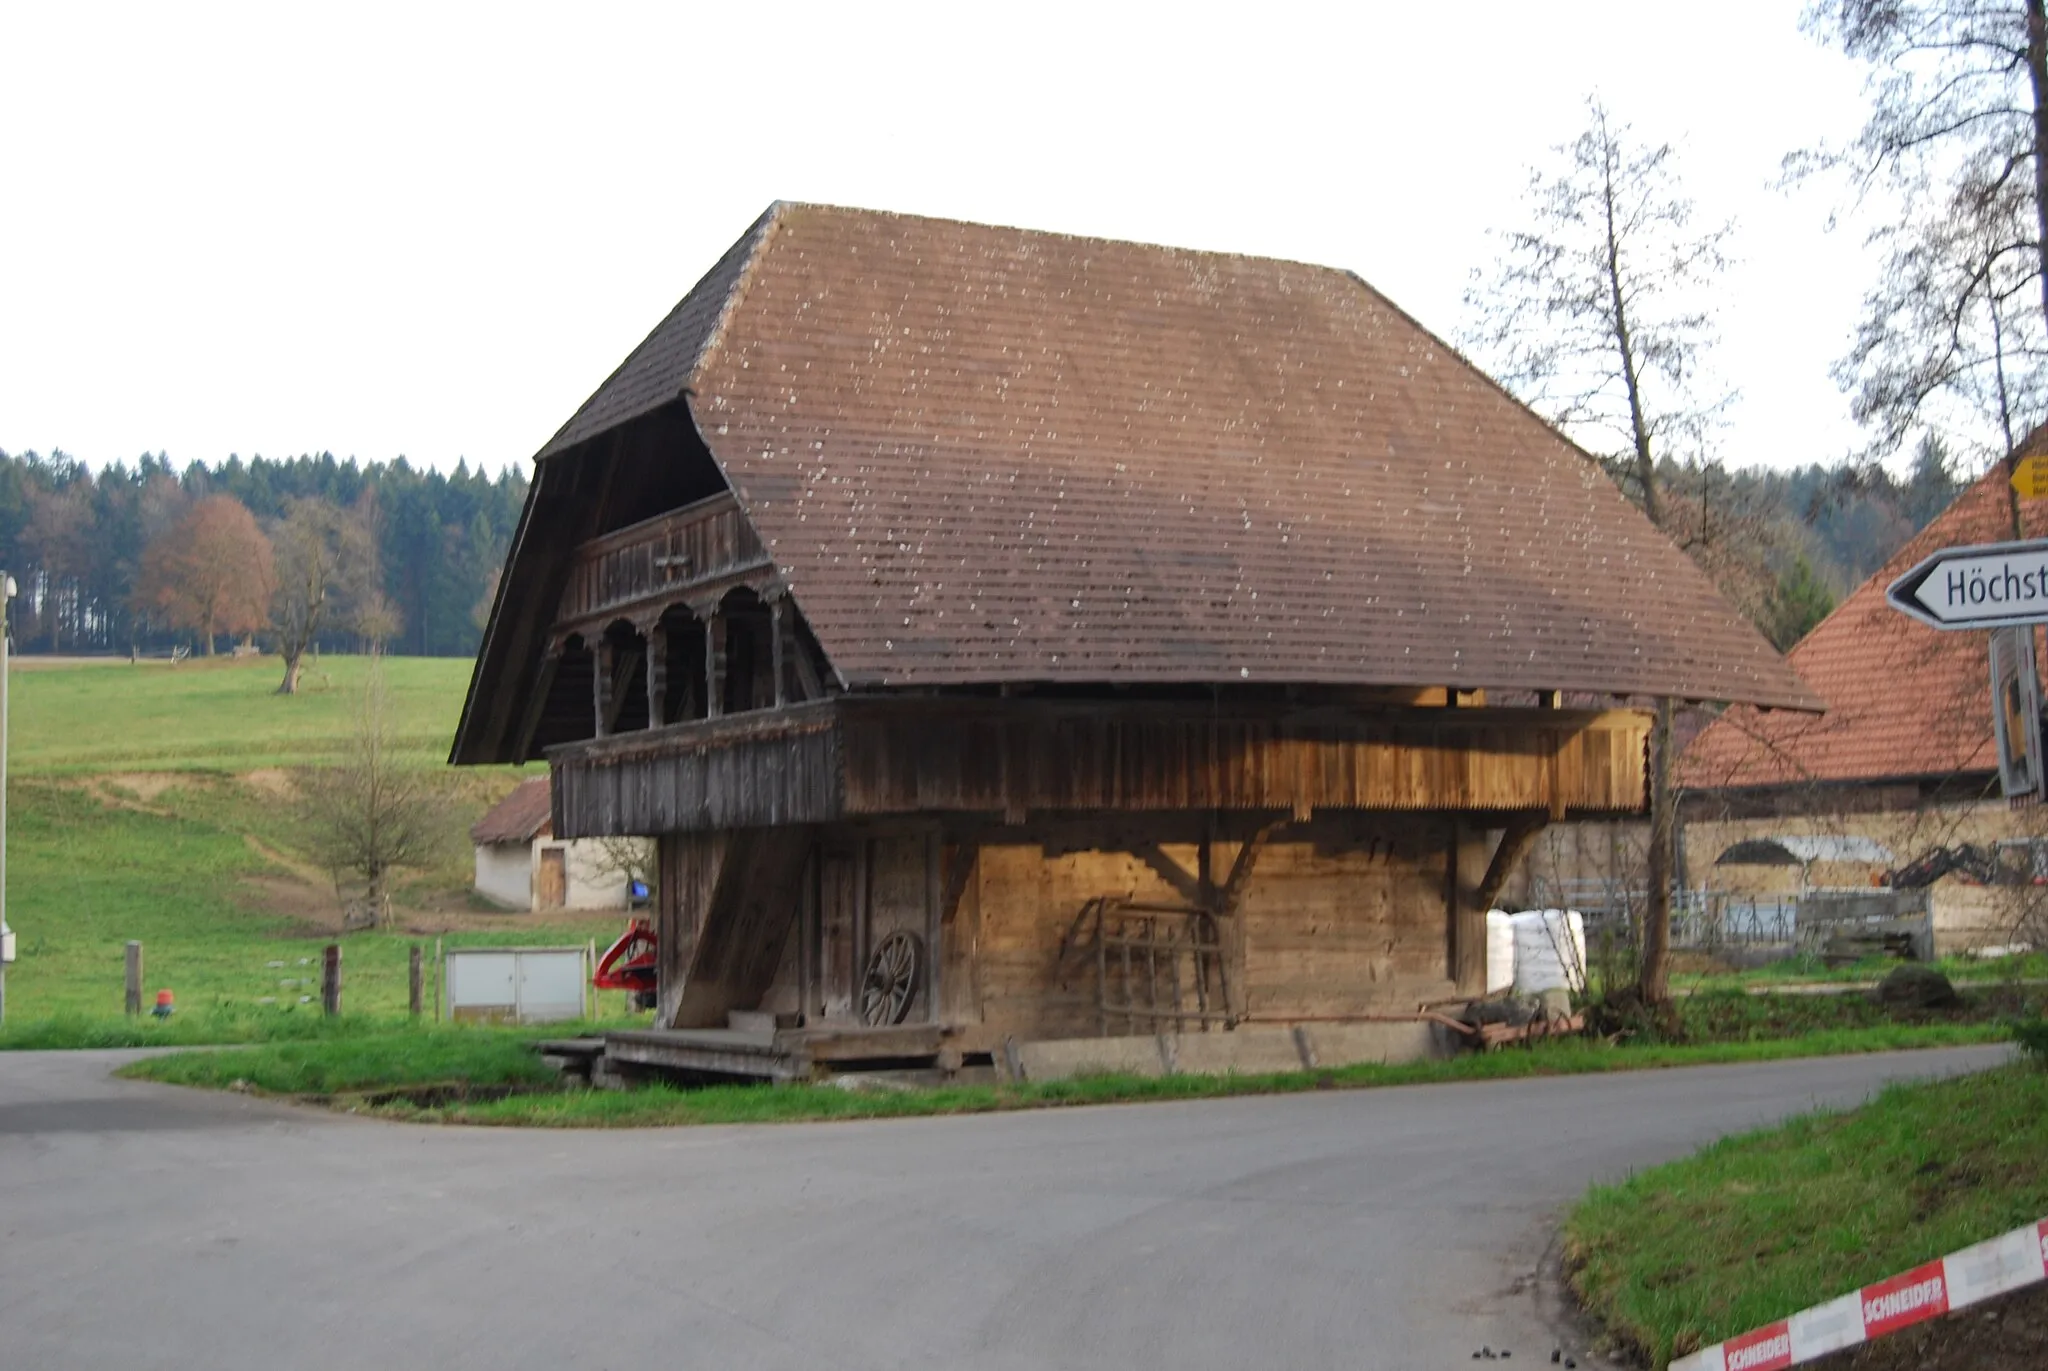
(2030, 477)
(1992, 585)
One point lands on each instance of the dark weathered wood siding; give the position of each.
(853, 757)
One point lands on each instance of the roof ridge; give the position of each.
(857, 211)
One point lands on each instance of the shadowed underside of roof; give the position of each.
(1904, 701)
(981, 454)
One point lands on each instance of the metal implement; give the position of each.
(1159, 968)
(629, 964)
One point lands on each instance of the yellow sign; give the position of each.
(2030, 478)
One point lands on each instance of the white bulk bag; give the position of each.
(1500, 950)
(1550, 951)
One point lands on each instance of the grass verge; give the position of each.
(1757, 1227)
(345, 1070)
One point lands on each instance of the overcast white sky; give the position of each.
(432, 230)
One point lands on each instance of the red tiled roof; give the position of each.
(1903, 700)
(518, 818)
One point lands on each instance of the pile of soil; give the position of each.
(2008, 1334)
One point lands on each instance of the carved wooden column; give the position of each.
(714, 661)
(776, 658)
(657, 674)
(602, 658)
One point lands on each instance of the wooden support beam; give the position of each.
(657, 675)
(1241, 869)
(1187, 885)
(536, 703)
(615, 696)
(775, 652)
(714, 665)
(1515, 842)
(601, 709)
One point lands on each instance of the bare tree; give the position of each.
(1955, 332)
(1595, 315)
(316, 550)
(372, 814)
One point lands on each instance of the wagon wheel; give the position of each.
(891, 980)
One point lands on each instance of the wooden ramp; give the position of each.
(783, 1054)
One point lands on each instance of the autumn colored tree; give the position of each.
(211, 572)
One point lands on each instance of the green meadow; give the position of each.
(163, 804)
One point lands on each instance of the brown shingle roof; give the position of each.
(981, 454)
(518, 818)
(1903, 700)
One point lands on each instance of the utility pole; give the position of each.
(6, 937)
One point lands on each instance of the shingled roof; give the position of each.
(518, 818)
(1904, 701)
(986, 454)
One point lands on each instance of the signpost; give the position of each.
(2016, 711)
(2000, 586)
(1992, 585)
(2030, 477)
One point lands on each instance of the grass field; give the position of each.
(161, 804)
(1758, 1227)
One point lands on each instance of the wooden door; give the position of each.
(840, 882)
(551, 890)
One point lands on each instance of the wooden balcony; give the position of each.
(697, 551)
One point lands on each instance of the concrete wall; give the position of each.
(504, 874)
(1252, 1050)
(509, 874)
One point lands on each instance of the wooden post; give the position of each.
(714, 665)
(413, 987)
(775, 632)
(601, 684)
(657, 675)
(133, 1000)
(330, 980)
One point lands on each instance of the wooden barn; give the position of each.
(1013, 637)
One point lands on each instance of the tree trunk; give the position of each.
(292, 662)
(2037, 76)
(1653, 982)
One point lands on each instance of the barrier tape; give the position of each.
(2009, 1262)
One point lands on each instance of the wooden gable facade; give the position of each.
(1008, 635)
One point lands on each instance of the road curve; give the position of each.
(143, 1226)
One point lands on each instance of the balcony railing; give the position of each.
(661, 559)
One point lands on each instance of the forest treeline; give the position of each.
(324, 553)
(124, 558)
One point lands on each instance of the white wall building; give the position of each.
(520, 865)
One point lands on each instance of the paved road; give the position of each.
(143, 1226)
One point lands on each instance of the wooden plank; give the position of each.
(850, 1044)
(751, 909)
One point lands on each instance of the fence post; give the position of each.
(330, 980)
(412, 971)
(133, 1000)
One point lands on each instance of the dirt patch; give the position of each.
(2009, 1334)
(311, 908)
(445, 1094)
(273, 784)
(146, 785)
(134, 792)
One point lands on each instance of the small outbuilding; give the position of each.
(520, 864)
(1011, 638)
